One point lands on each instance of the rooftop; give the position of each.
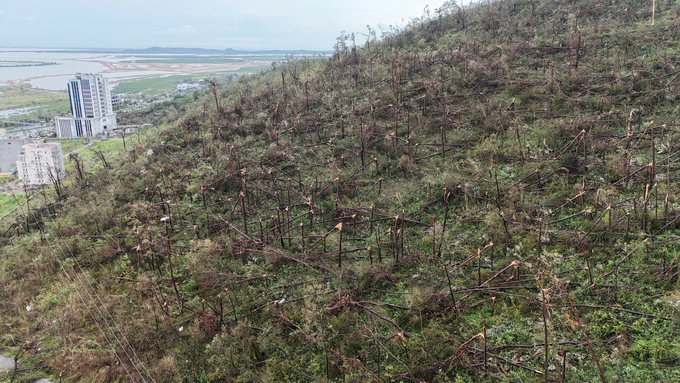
(37, 145)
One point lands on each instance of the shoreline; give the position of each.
(153, 68)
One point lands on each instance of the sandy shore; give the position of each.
(137, 69)
(179, 68)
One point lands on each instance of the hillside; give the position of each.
(490, 194)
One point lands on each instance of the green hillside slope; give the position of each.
(490, 194)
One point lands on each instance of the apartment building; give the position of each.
(10, 148)
(91, 108)
(40, 163)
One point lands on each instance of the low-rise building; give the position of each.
(71, 127)
(116, 99)
(41, 163)
(185, 87)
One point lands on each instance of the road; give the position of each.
(11, 185)
(79, 149)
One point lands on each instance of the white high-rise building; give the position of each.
(41, 163)
(91, 108)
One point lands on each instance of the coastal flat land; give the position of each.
(137, 69)
(22, 96)
(180, 68)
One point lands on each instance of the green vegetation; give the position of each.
(488, 195)
(154, 86)
(108, 149)
(5, 178)
(250, 69)
(22, 96)
(47, 104)
(9, 201)
(158, 59)
(68, 146)
(188, 60)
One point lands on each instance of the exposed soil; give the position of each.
(179, 68)
(169, 68)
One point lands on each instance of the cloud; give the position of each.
(182, 31)
(30, 18)
(252, 24)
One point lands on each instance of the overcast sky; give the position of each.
(244, 24)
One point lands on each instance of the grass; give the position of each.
(157, 86)
(6, 179)
(9, 202)
(189, 60)
(153, 86)
(46, 104)
(478, 222)
(174, 59)
(70, 145)
(251, 69)
(110, 146)
(22, 96)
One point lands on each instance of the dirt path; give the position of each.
(79, 149)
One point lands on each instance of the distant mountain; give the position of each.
(179, 51)
(203, 51)
(230, 51)
(491, 193)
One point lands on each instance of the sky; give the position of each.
(217, 24)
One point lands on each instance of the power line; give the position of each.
(59, 236)
(71, 280)
(83, 300)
